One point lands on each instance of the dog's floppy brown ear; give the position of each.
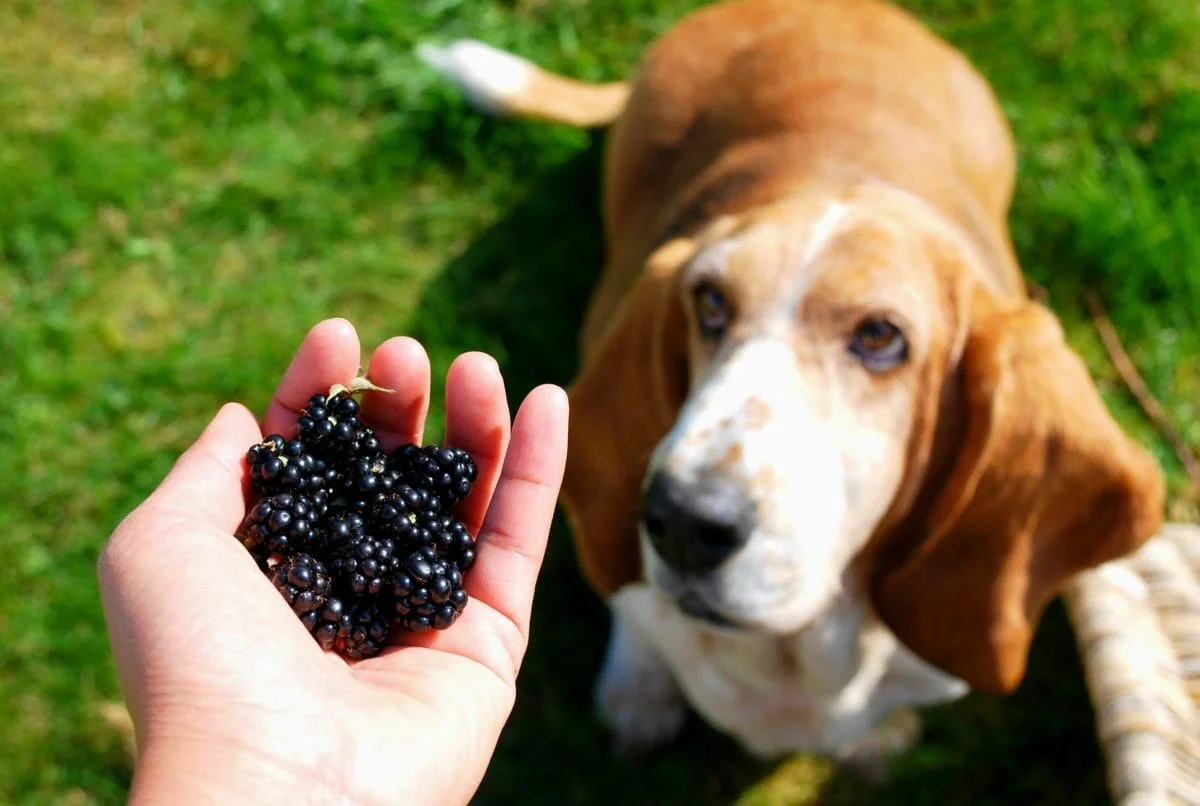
(1045, 485)
(623, 401)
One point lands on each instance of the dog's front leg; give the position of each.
(637, 697)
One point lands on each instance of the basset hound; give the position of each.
(828, 461)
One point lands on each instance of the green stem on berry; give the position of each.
(359, 384)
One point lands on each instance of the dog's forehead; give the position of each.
(859, 241)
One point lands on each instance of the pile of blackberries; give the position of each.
(357, 540)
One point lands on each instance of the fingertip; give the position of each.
(552, 398)
(401, 365)
(228, 435)
(329, 354)
(234, 416)
(476, 401)
(475, 365)
(546, 411)
(335, 327)
(401, 349)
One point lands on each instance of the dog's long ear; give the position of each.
(623, 401)
(1044, 485)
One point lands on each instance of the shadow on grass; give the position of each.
(520, 290)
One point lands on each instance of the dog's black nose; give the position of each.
(690, 530)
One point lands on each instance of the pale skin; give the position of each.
(233, 701)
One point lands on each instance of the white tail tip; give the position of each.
(488, 77)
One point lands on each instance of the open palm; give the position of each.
(233, 700)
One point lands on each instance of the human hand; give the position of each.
(232, 699)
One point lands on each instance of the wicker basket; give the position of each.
(1137, 622)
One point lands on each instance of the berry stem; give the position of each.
(359, 384)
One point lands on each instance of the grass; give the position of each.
(188, 187)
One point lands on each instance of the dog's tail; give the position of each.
(500, 83)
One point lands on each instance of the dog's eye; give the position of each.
(712, 310)
(879, 344)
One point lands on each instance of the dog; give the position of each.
(828, 461)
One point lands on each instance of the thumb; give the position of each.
(208, 481)
(146, 570)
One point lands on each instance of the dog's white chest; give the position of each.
(820, 690)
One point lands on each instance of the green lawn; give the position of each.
(188, 187)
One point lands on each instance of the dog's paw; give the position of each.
(870, 757)
(642, 708)
(636, 696)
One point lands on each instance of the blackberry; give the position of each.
(320, 502)
(429, 591)
(406, 514)
(278, 465)
(365, 565)
(339, 531)
(324, 476)
(459, 545)
(448, 473)
(283, 523)
(367, 631)
(425, 531)
(330, 425)
(367, 479)
(447, 536)
(394, 517)
(303, 582)
(328, 624)
(364, 443)
(367, 442)
(418, 500)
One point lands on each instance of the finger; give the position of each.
(209, 480)
(399, 364)
(329, 354)
(477, 421)
(512, 541)
(494, 627)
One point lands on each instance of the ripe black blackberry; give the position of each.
(278, 466)
(459, 545)
(447, 536)
(303, 581)
(330, 426)
(339, 529)
(429, 591)
(364, 443)
(365, 565)
(283, 524)
(369, 628)
(393, 517)
(448, 473)
(328, 624)
(366, 480)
